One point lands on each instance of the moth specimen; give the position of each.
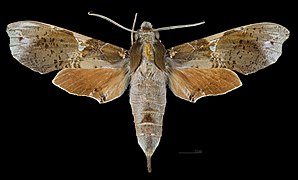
(103, 71)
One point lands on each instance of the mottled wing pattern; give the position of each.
(89, 67)
(45, 48)
(203, 67)
(246, 49)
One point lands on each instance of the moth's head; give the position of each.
(146, 33)
(146, 26)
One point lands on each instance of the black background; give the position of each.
(246, 133)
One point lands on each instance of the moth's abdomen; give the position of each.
(148, 100)
(148, 110)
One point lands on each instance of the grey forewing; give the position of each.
(45, 48)
(245, 49)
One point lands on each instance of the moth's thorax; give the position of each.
(147, 47)
(146, 37)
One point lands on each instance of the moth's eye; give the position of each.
(136, 36)
(157, 35)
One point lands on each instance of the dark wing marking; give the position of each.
(135, 56)
(159, 55)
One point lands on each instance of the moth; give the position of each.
(103, 71)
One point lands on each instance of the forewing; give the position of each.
(45, 48)
(102, 84)
(192, 83)
(246, 49)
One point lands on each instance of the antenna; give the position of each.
(133, 28)
(179, 26)
(111, 21)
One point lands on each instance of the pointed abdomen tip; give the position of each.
(149, 163)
